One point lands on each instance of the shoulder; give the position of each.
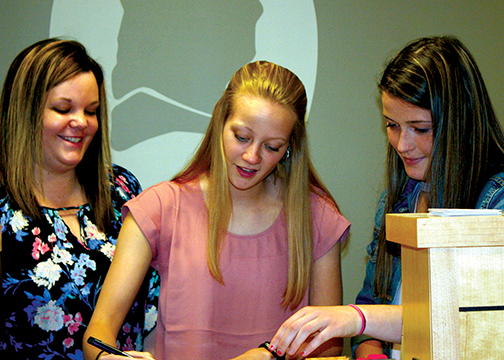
(3, 193)
(381, 208)
(4, 199)
(124, 186)
(172, 187)
(125, 183)
(324, 209)
(492, 194)
(321, 204)
(165, 200)
(328, 223)
(496, 181)
(169, 192)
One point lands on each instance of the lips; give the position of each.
(412, 161)
(74, 140)
(248, 173)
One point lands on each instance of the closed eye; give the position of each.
(272, 148)
(240, 138)
(61, 111)
(423, 130)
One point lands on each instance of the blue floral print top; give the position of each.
(51, 279)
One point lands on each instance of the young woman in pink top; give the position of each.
(243, 237)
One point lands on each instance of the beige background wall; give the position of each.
(337, 47)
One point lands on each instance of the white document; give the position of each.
(465, 212)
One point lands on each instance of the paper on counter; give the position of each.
(465, 212)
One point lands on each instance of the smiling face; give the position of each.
(409, 130)
(255, 137)
(70, 122)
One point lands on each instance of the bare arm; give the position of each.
(326, 289)
(130, 264)
(325, 322)
(326, 284)
(368, 347)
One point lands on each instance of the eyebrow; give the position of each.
(253, 132)
(70, 100)
(409, 121)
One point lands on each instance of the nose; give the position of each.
(79, 120)
(404, 142)
(252, 154)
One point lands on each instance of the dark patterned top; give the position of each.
(51, 279)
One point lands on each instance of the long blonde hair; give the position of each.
(299, 178)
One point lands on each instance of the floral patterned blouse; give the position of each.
(51, 280)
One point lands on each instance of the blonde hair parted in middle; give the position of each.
(299, 179)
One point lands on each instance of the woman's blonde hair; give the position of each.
(299, 178)
(31, 76)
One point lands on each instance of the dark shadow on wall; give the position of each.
(185, 51)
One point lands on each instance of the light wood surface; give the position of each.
(453, 285)
(424, 231)
(481, 276)
(415, 298)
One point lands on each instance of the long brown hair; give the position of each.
(32, 74)
(299, 178)
(440, 75)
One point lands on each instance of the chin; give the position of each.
(416, 177)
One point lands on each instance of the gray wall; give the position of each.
(173, 60)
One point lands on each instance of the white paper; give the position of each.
(465, 212)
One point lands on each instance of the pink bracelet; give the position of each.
(363, 318)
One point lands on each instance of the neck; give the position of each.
(59, 189)
(265, 191)
(255, 210)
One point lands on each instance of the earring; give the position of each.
(287, 154)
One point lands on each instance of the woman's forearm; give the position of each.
(383, 322)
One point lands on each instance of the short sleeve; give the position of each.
(329, 226)
(154, 210)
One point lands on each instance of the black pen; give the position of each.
(106, 347)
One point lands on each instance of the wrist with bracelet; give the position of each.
(363, 318)
(266, 345)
